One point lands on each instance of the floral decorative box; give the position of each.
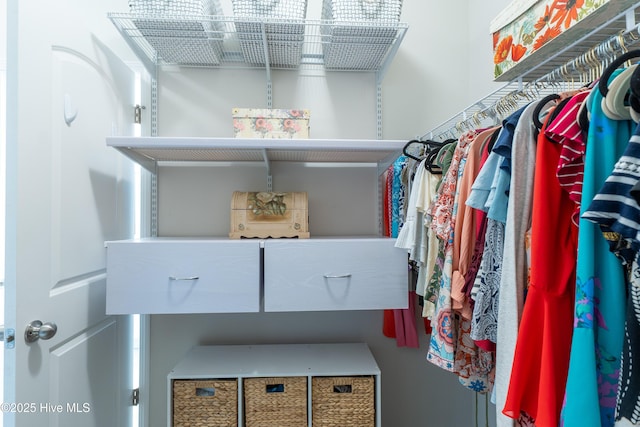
(266, 123)
(268, 214)
(539, 28)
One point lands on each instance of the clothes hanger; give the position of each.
(616, 104)
(436, 154)
(431, 149)
(603, 86)
(409, 155)
(543, 102)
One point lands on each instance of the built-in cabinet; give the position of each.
(221, 275)
(347, 269)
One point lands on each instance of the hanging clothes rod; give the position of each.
(578, 71)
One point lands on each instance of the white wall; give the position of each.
(443, 65)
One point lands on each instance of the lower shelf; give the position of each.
(320, 379)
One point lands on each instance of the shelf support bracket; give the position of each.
(630, 20)
(267, 164)
(267, 66)
(378, 108)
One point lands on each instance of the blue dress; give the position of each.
(592, 382)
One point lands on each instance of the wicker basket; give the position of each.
(358, 33)
(200, 403)
(284, 29)
(280, 402)
(189, 36)
(343, 401)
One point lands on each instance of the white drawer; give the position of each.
(183, 276)
(334, 274)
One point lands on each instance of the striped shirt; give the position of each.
(614, 208)
(565, 130)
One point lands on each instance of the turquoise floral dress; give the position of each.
(592, 382)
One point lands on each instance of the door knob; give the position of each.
(37, 330)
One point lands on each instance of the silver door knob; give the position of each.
(37, 330)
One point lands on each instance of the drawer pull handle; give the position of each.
(187, 278)
(337, 276)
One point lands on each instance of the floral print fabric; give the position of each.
(442, 344)
(536, 27)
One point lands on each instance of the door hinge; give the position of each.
(135, 397)
(137, 113)
(8, 335)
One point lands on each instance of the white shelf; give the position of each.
(149, 151)
(278, 360)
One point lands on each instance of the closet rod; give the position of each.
(578, 71)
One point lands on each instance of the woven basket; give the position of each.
(284, 29)
(200, 403)
(343, 401)
(271, 402)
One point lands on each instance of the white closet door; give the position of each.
(66, 194)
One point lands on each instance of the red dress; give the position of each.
(541, 359)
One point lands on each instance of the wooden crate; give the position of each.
(343, 401)
(268, 214)
(280, 402)
(200, 403)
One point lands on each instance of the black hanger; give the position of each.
(583, 118)
(406, 153)
(536, 113)
(634, 90)
(603, 84)
(432, 155)
(431, 149)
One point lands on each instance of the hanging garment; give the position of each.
(388, 324)
(481, 228)
(618, 215)
(474, 366)
(432, 282)
(542, 350)
(599, 318)
(565, 130)
(628, 402)
(484, 325)
(613, 207)
(466, 228)
(444, 324)
(428, 243)
(515, 271)
(407, 237)
(403, 319)
(397, 196)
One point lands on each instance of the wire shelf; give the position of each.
(574, 65)
(246, 42)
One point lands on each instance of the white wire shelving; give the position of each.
(572, 65)
(232, 42)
